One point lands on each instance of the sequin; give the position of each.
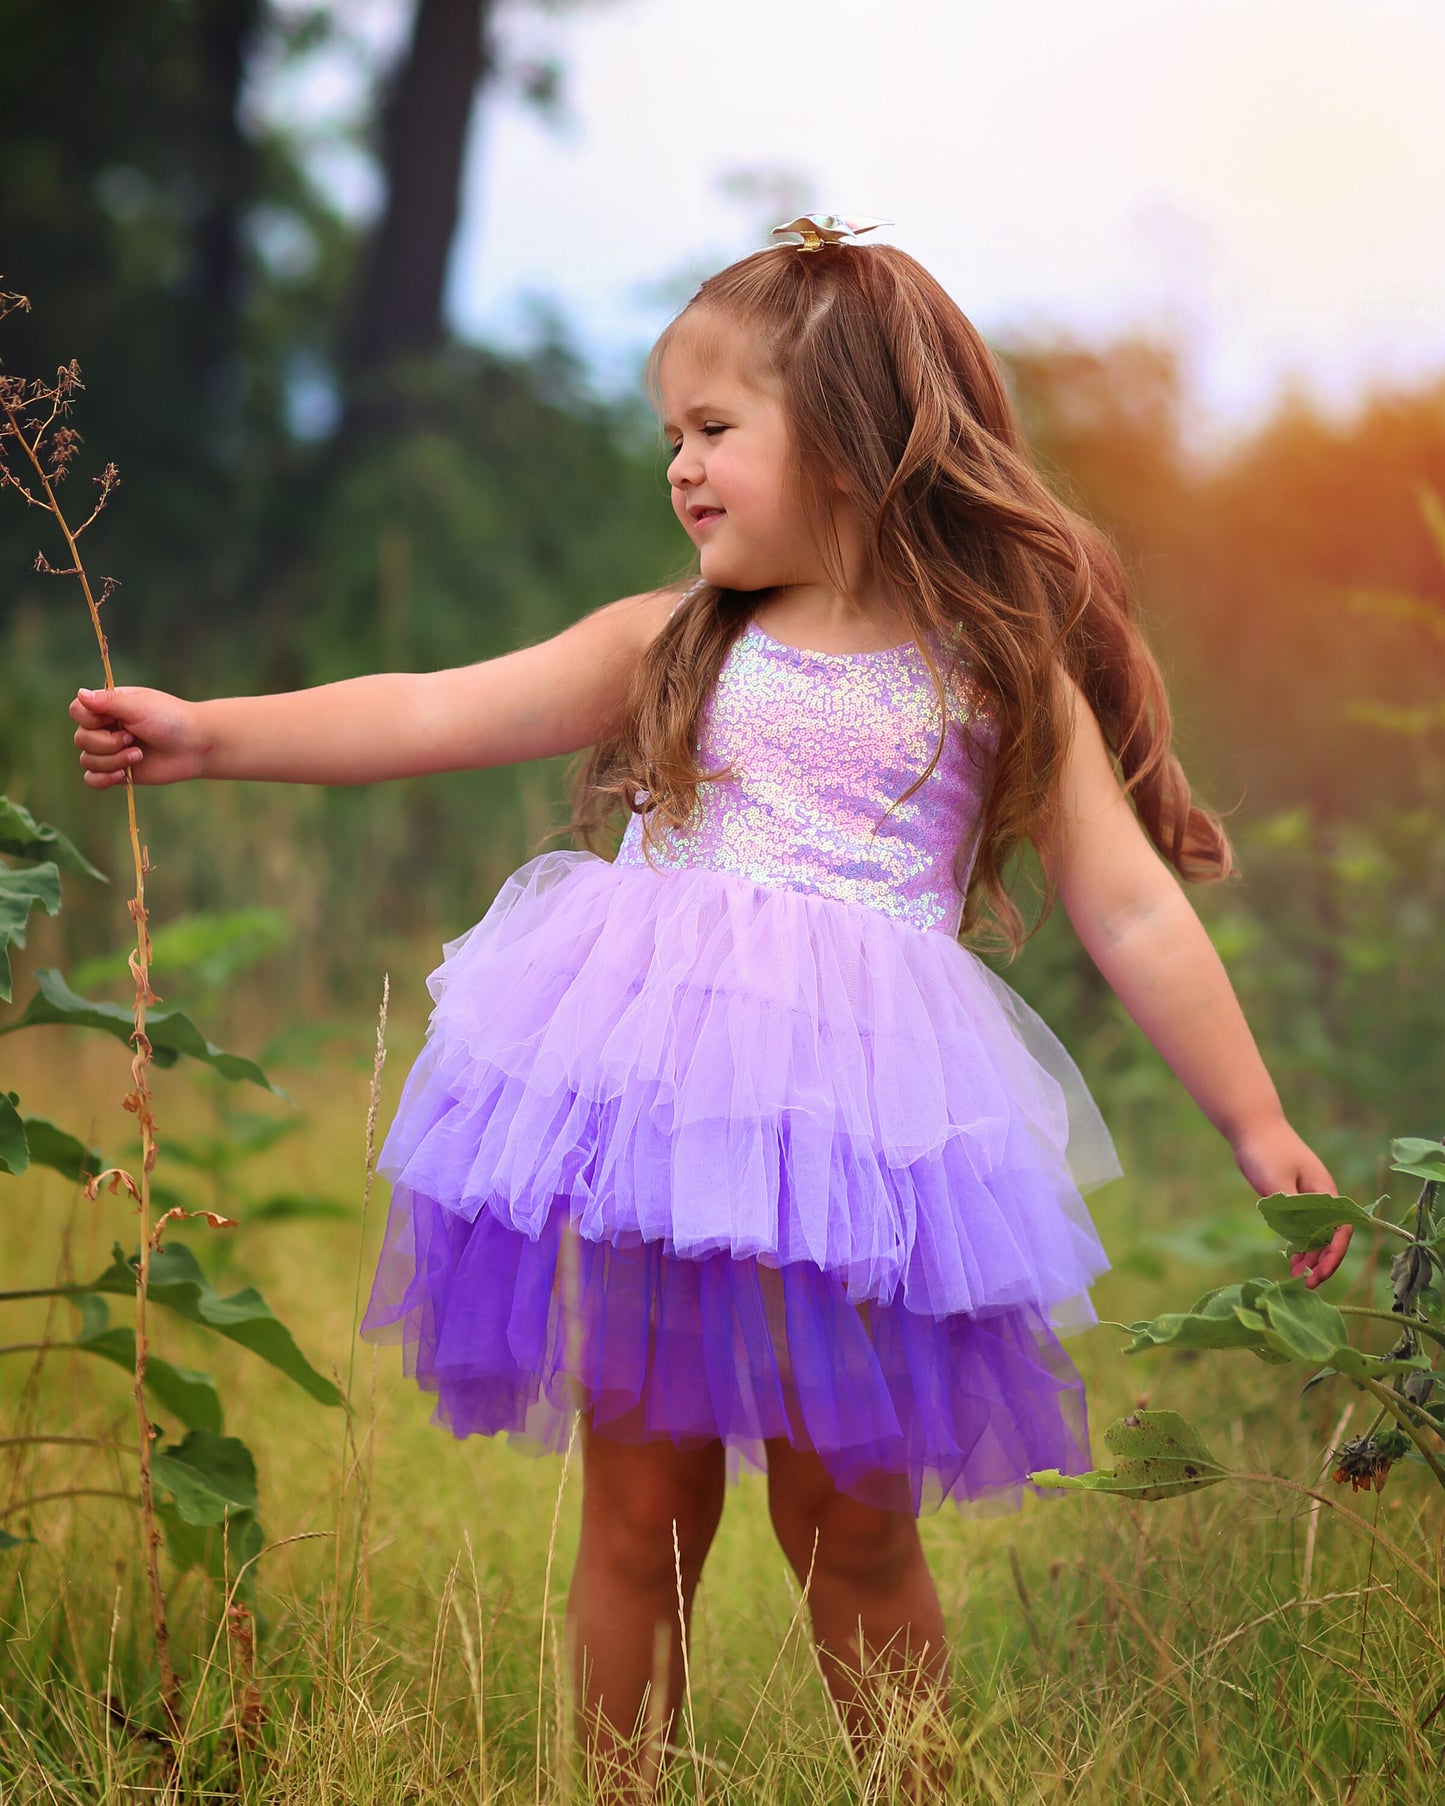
(821, 746)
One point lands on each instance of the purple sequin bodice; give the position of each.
(820, 745)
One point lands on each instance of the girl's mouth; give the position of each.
(703, 517)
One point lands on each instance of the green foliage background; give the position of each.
(1294, 586)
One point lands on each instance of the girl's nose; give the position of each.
(684, 468)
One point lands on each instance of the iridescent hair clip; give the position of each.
(811, 231)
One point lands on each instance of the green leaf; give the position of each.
(1220, 1319)
(207, 1476)
(61, 1151)
(187, 1395)
(1278, 1320)
(20, 891)
(14, 1147)
(1308, 1326)
(1420, 1158)
(32, 1141)
(1307, 1220)
(227, 1552)
(210, 1513)
(171, 1032)
(13, 1542)
(27, 838)
(1160, 1455)
(178, 1283)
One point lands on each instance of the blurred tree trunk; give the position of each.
(424, 135)
(226, 32)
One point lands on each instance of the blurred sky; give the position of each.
(1265, 182)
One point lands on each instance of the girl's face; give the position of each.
(734, 474)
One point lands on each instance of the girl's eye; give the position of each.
(709, 429)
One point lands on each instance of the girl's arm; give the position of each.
(1141, 932)
(556, 697)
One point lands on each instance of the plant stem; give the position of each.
(1398, 1318)
(79, 1442)
(67, 1492)
(45, 1292)
(140, 1101)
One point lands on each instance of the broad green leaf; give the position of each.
(1214, 1322)
(61, 1151)
(227, 1552)
(178, 1283)
(20, 892)
(13, 1542)
(1307, 1220)
(27, 838)
(187, 1395)
(1308, 1326)
(171, 1032)
(1420, 1158)
(14, 1147)
(210, 949)
(1278, 1320)
(32, 1141)
(207, 1476)
(1160, 1455)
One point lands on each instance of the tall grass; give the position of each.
(1218, 1647)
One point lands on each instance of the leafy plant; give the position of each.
(199, 1492)
(1284, 1323)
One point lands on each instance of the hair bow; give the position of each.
(811, 231)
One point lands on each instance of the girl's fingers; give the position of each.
(102, 740)
(118, 761)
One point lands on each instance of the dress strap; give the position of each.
(687, 595)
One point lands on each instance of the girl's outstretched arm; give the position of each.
(1136, 924)
(555, 697)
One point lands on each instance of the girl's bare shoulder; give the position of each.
(632, 623)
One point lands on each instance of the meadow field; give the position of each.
(1244, 1644)
(322, 475)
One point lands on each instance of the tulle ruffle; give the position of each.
(903, 1410)
(719, 1066)
(744, 1100)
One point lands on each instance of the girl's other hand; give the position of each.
(153, 736)
(1274, 1160)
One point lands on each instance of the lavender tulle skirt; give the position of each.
(713, 1159)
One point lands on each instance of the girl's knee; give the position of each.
(653, 1508)
(833, 1537)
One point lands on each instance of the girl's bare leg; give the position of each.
(874, 1606)
(622, 1608)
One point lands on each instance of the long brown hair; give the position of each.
(892, 395)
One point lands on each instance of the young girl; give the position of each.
(728, 1142)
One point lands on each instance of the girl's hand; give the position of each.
(153, 736)
(1274, 1159)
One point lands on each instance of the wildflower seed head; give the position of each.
(1365, 1461)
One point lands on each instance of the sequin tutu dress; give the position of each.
(738, 1141)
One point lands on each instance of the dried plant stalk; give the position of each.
(33, 413)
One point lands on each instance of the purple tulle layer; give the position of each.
(823, 1157)
(904, 1410)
